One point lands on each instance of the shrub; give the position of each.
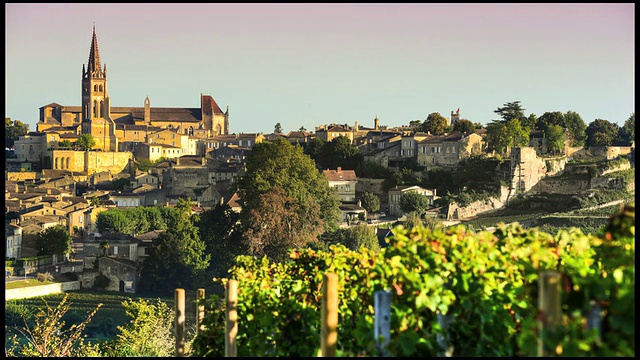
(101, 282)
(43, 277)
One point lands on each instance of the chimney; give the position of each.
(339, 169)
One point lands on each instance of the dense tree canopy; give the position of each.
(464, 126)
(576, 127)
(550, 118)
(339, 152)
(497, 138)
(511, 110)
(304, 192)
(13, 130)
(370, 202)
(54, 240)
(85, 142)
(555, 138)
(436, 124)
(222, 237)
(277, 129)
(518, 135)
(412, 201)
(601, 133)
(627, 133)
(177, 257)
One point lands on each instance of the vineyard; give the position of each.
(454, 291)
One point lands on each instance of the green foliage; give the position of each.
(17, 314)
(518, 135)
(464, 126)
(144, 164)
(576, 127)
(496, 139)
(49, 337)
(484, 283)
(555, 138)
(13, 129)
(119, 184)
(222, 237)
(280, 164)
(627, 133)
(601, 133)
(436, 124)
(139, 220)
(148, 333)
(370, 202)
(54, 240)
(339, 152)
(412, 201)
(354, 237)
(277, 129)
(511, 110)
(177, 257)
(101, 282)
(372, 170)
(85, 142)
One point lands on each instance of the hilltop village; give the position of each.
(83, 160)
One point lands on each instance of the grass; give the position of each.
(33, 282)
(104, 324)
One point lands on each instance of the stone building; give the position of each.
(110, 125)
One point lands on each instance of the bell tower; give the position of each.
(96, 119)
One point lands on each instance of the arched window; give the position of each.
(100, 87)
(55, 165)
(68, 160)
(95, 87)
(95, 108)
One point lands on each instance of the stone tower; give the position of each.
(96, 109)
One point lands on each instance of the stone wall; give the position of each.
(455, 212)
(41, 290)
(20, 175)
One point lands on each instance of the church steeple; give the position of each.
(93, 67)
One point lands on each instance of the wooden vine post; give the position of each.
(329, 339)
(199, 310)
(231, 330)
(549, 307)
(180, 322)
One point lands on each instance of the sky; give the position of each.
(310, 64)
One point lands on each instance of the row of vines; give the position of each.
(486, 283)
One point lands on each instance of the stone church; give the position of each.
(110, 126)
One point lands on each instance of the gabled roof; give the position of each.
(340, 175)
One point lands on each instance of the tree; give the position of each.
(302, 128)
(519, 136)
(464, 126)
(114, 221)
(104, 247)
(280, 164)
(555, 138)
(49, 337)
(529, 123)
(339, 152)
(415, 125)
(497, 138)
(371, 202)
(576, 127)
(148, 333)
(276, 225)
(222, 237)
(65, 144)
(177, 256)
(627, 133)
(13, 130)
(85, 142)
(411, 201)
(358, 236)
(314, 148)
(550, 118)
(277, 129)
(601, 133)
(144, 164)
(54, 240)
(436, 124)
(510, 111)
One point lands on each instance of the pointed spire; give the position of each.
(93, 67)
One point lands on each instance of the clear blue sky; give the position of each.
(312, 64)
